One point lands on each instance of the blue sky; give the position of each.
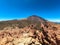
(17, 9)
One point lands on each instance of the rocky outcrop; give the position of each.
(28, 36)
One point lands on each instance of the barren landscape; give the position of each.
(33, 30)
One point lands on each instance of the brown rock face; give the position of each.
(27, 36)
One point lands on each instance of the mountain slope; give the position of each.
(36, 18)
(32, 20)
(28, 36)
(31, 31)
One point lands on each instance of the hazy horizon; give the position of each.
(54, 20)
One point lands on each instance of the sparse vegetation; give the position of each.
(19, 24)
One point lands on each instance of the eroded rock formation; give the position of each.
(28, 36)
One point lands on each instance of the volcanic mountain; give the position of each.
(31, 20)
(36, 18)
(33, 30)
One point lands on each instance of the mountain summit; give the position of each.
(36, 18)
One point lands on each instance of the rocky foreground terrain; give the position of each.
(29, 36)
(36, 33)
